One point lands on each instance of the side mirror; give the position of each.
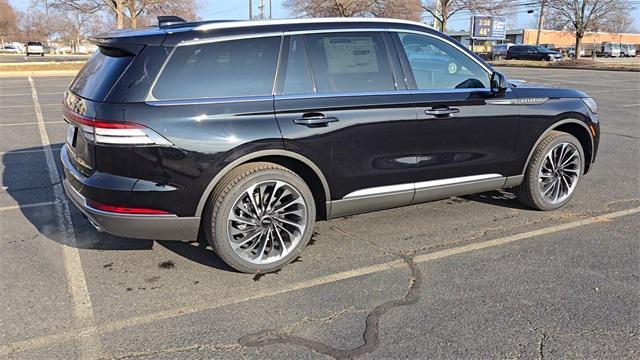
(499, 84)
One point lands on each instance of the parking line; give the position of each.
(90, 347)
(46, 340)
(25, 106)
(33, 123)
(27, 206)
(25, 94)
(630, 105)
(18, 152)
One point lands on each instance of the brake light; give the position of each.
(112, 132)
(124, 209)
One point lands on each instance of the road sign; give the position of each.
(488, 28)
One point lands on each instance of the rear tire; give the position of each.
(266, 230)
(553, 172)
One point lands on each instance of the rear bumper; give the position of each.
(152, 227)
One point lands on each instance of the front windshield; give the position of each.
(542, 49)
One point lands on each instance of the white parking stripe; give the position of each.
(26, 206)
(27, 106)
(630, 105)
(18, 152)
(89, 342)
(43, 341)
(29, 94)
(33, 123)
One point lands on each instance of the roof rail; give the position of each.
(165, 21)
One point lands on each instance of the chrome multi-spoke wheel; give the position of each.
(267, 221)
(559, 173)
(553, 172)
(260, 216)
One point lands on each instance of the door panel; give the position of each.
(368, 114)
(460, 131)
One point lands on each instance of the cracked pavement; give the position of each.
(365, 288)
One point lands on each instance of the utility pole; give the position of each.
(540, 20)
(261, 7)
(270, 12)
(250, 10)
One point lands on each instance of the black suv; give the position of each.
(530, 52)
(246, 133)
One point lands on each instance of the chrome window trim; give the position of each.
(422, 185)
(151, 100)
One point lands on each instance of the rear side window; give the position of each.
(233, 68)
(350, 62)
(99, 75)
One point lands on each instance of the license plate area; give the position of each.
(72, 134)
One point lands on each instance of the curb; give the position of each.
(568, 68)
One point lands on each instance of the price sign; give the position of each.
(488, 28)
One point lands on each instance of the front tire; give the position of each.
(553, 173)
(260, 217)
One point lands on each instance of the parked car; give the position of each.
(34, 47)
(531, 52)
(499, 51)
(248, 132)
(10, 48)
(627, 50)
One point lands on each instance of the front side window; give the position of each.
(350, 62)
(438, 65)
(232, 68)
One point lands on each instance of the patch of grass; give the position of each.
(44, 66)
(586, 64)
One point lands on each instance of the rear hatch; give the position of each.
(82, 105)
(91, 112)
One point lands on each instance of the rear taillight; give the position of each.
(112, 132)
(125, 209)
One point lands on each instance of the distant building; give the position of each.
(559, 39)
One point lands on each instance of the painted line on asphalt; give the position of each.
(18, 152)
(33, 123)
(29, 94)
(630, 105)
(112, 326)
(89, 342)
(27, 106)
(27, 206)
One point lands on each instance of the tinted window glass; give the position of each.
(350, 62)
(99, 75)
(438, 65)
(222, 69)
(297, 79)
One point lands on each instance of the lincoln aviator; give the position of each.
(245, 133)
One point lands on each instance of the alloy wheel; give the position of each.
(559, 173)
(267, 221)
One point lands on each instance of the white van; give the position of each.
(610, 50)
(628, 50)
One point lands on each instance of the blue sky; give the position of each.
(239, 9)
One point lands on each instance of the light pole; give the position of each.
(250, 10)
(540, 21)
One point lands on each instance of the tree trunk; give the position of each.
(119, 10)
(578, 44)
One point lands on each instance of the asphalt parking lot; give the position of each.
(471, 277)
(22, 58)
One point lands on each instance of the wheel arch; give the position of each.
(295, 162)
(571, 126)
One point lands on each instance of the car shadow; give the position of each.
(503, 198)
(26, 179)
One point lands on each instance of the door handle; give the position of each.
(446, 111)
(315, 120)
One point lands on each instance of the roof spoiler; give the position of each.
(166, 21)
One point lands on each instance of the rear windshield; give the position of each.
(31, 43)
(99, 75)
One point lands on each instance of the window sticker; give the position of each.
(348, 55)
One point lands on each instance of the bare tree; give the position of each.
(443, 10)
(401, 9)
(585, 15)
(146, 9)
(8, 21)
(116, 7)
